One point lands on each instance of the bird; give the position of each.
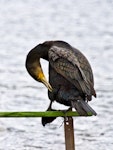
(71, 80)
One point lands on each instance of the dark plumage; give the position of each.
(70, 75)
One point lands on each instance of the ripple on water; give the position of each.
(23, 25)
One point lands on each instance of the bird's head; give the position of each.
(33, 65)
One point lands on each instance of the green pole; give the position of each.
(41, 114)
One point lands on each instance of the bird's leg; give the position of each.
(65, 111)
(46, 120)
(50, 106)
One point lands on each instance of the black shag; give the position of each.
(70, 75)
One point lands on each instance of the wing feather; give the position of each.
(66, 63)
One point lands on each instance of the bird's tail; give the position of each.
(82, 108)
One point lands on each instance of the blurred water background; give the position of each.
(87, 25)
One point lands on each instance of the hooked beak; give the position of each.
(47, 84)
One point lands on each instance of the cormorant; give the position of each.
(70, 75)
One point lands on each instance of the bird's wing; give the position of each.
(65, 62)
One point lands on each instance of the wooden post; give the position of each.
(69, 133)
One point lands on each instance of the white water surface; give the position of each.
(88, 26)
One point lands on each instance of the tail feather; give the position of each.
(82, 108)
